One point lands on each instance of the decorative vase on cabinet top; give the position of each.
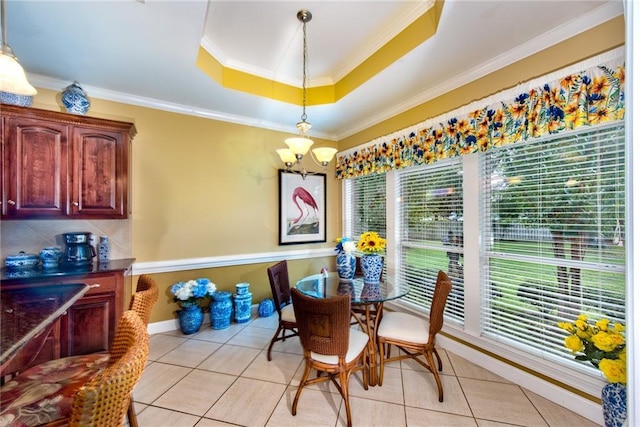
(75, 99)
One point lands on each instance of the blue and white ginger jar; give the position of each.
(75, 99)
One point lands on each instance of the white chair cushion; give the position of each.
(287, 313)
(404, 327)
(357, 341)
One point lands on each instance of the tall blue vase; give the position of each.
(614, 404)
(346, 265)
(221, 309)
(371, 268)
(242, 301)
(190, 318)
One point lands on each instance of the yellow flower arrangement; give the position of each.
(601, 343)
(371, 243)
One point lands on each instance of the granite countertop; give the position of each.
(39, 274)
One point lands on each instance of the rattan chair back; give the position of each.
(323, 323)
(280, 288)
(438, 303)
(103, 401)
(145, 297)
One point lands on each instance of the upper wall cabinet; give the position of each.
(58, 165)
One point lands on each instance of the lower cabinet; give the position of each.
(87, 327)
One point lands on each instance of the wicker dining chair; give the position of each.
(58, 393)
(330, 345)
(281, 292)
(414, 336)
(142, 301)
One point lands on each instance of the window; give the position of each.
(554, 238)
(365, 205)
(430, 235)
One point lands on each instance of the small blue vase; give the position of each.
(242, 301)
(190, 318)
(371, 268)
(221, 310)
(75, 99)
(346, 265)
(614, 404)
(266, 308)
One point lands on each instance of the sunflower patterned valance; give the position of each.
(574, 99)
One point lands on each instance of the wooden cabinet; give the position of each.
(57, 165)
(89, 325)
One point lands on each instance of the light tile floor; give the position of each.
(222, 378)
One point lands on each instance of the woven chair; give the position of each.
(414, 336)
(142, 301)
(281, 292)
(80, 395)
(330, 345)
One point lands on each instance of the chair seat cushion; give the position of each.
(44, 393)
(404, 327)
(287, 314)
(357, 342)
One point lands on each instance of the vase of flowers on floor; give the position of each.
(346, 258)
(188, 295)
(371, 245)
(603, 344)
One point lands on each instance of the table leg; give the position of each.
(370, 326)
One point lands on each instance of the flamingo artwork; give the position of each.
(306, 204)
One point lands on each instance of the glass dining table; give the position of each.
(367, 302)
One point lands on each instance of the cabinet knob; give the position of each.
(11, 202)
(96, 285)
(76, 204)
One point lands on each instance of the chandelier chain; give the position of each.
(305, 60)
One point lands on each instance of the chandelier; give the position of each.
(12, 76)
(300, 145)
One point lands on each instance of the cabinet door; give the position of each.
(86, 325)
(99, 175)
(34, 168)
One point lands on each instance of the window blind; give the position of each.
(430, 233)
(553, 233)
(365, 205)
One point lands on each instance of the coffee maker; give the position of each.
(78, 252)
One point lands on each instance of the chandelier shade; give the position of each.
(12, 77)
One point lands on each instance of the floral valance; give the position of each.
(568, 101)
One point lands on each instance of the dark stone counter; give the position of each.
(40, 274)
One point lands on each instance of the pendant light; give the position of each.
(12, 76)
(299, 146)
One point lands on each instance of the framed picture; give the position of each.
(303, 208)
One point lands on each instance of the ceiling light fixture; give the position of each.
(299, 146)
(12, 76)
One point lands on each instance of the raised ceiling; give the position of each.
(229, 60)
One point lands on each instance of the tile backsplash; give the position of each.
(31, 236)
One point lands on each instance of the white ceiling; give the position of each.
(144, 52)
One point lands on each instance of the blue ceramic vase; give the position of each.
(266, 308)
(614, 404)
(190, 318)
(346, 265)
(75, 99)
(242, 301)
(371, 268)
(221, 310)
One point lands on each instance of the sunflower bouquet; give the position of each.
(371, 243)
(601, 343)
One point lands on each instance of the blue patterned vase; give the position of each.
(266, 308)
(371, 268)
(614, 404)
(242, 301)
(190, 318)
(221, 310)
(75, 99)
(346, 265)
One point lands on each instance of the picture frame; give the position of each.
(302, 213)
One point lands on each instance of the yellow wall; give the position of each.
(204, 188)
